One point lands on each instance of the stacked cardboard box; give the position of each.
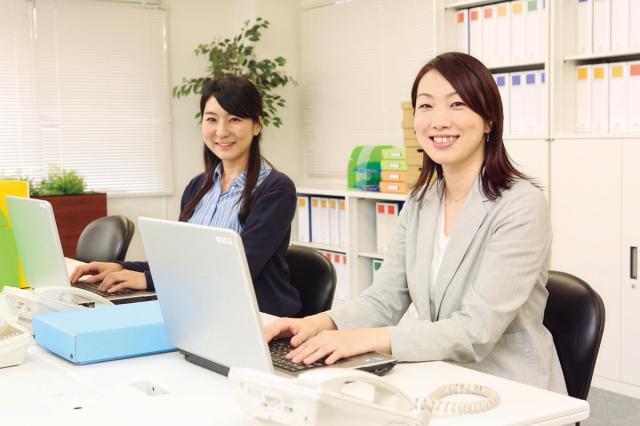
(414, 153)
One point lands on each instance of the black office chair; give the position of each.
(575, 317)
(314, 276)
(105, 239)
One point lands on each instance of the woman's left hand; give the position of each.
(338, 344)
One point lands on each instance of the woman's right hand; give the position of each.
(299, 329)
(96, 271)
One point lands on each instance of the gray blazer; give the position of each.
(490, 288)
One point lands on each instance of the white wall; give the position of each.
(191, 22)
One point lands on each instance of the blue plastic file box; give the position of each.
(85, 336)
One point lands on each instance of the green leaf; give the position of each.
(236, 56)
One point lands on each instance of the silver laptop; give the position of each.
(38, 243)
(208, 302)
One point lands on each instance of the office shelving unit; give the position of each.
(361, 233)
(531, 151)
(592, 180)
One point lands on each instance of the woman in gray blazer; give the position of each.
(470, 249)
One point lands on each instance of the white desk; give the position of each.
(47, 389)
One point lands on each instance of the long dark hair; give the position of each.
(238, 96)
(475, 85)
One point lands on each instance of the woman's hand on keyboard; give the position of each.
(299, 329)
(337, 344)
(123, 279)
(95, 271)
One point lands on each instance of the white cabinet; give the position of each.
(585, 214)
(630, 315)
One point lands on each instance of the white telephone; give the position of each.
(334, 396)
(14, 341)
(25, 303)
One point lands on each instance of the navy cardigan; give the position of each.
(265, 234)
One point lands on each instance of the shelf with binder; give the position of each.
(596, 67)
(355, 256)
(506, 36)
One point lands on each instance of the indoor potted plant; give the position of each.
(236, 56)
(73, 206)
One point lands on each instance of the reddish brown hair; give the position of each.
(475, 85)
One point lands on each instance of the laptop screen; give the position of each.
(205, 292)
(38, 242)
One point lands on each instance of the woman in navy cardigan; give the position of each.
(238, 190)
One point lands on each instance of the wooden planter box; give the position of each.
(73, 213)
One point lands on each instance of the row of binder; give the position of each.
(386, 217)
(524, 100)
(607, 26)
(322, 220)
(503, 33)
(608, 97)
(343, 287)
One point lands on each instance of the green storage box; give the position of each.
(363, 171)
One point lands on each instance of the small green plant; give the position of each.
(236, 56)
(58, 182)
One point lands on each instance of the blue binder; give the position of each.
(86, 336)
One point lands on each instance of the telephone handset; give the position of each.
(24, 303)
(334, 396)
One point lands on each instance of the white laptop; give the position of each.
(38, 243)
(208, 302)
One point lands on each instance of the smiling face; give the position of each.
(450, 132)
(226, 135)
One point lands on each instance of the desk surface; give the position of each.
(49, 389)
(46, 389)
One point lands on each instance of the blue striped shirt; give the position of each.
(221, 209)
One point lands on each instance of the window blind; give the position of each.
(359, 59)
(102, 94)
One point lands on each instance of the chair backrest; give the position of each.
(575, 317)
(314, 276)
(105, 239)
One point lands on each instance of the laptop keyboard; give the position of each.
(279, 348)
(93, 287)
